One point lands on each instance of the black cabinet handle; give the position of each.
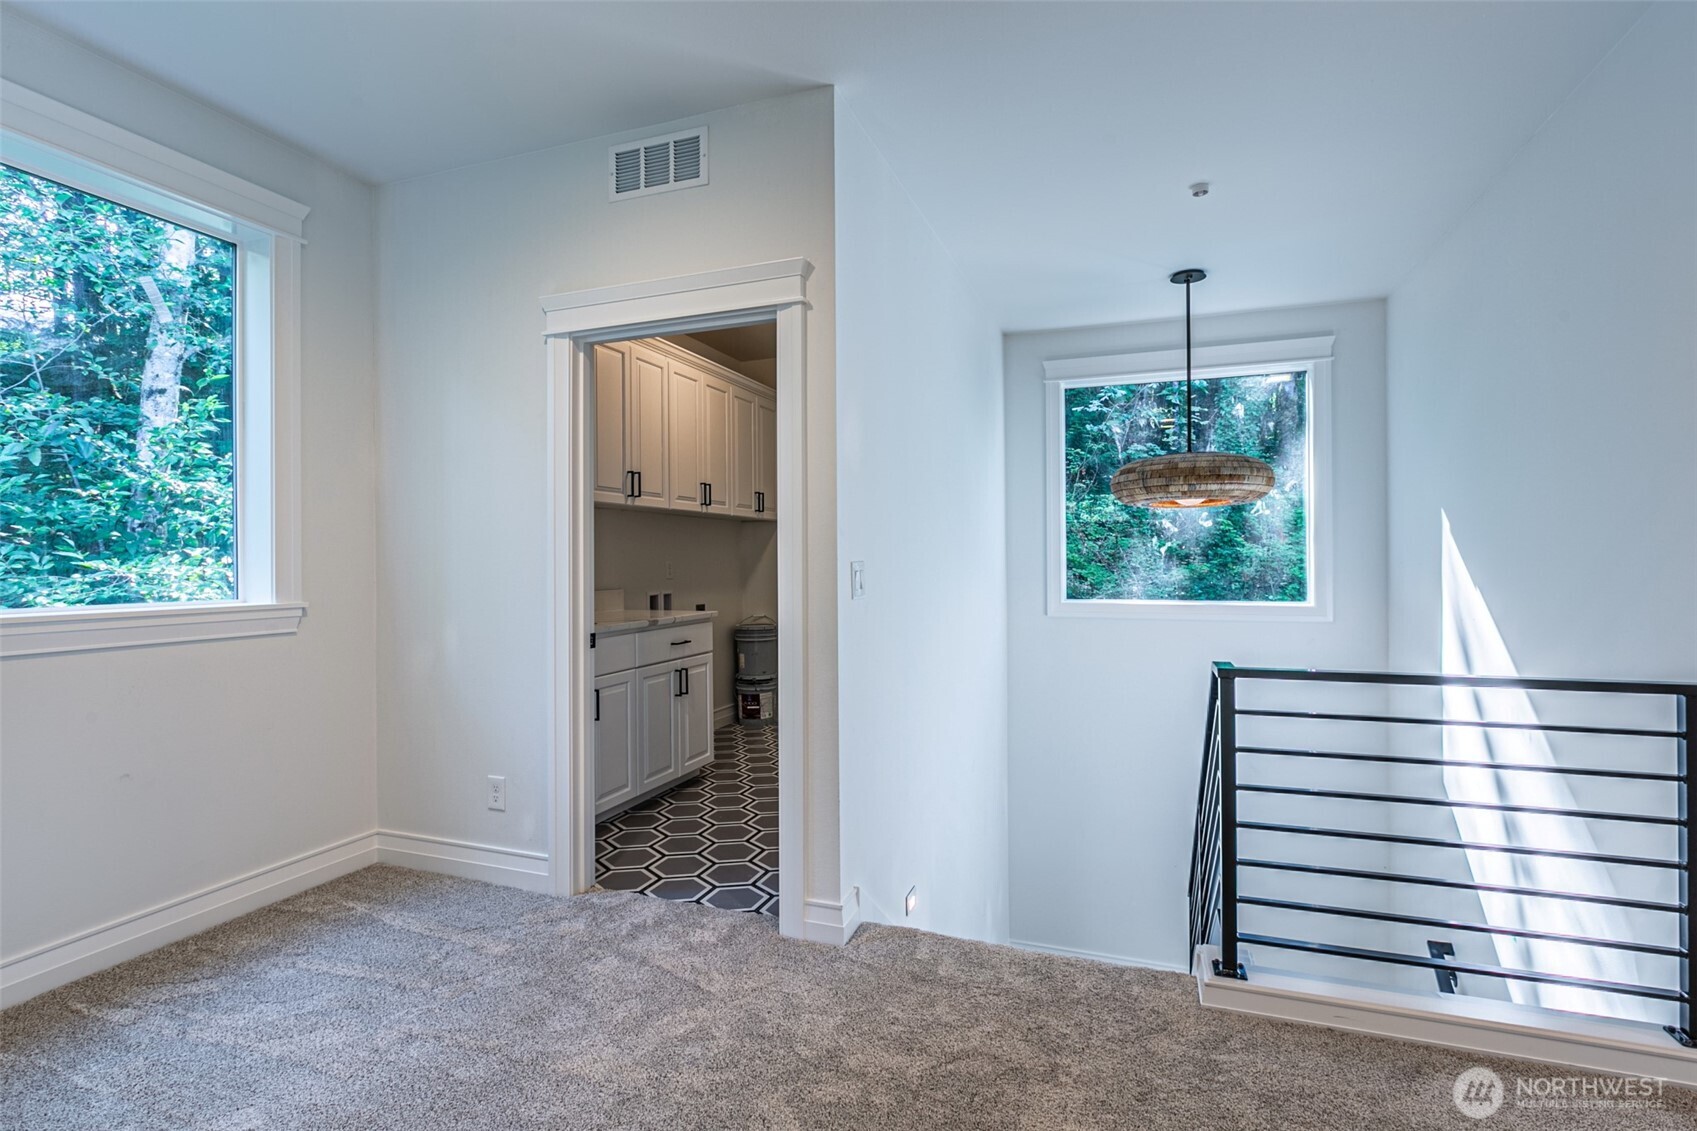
(685, 672)
(637, 494)
(685, 640)
(678, 683)
(597, 704)
(760, 502)
(630, 483)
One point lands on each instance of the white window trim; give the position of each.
(1227, 360)
(267, 228)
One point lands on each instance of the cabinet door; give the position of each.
(683, 430)
(744, 424)
(645, 427)
(695, 715)
(656, 760)
(616, 729)
(612, 388)
(766, 457)
(716, 442)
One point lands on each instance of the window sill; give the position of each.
(35, 633)
(1192, 610)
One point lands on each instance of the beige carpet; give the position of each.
(397, 999)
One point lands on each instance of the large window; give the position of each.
(117, 355)
(147, 391)
(1255, 559)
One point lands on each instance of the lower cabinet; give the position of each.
(653, 725)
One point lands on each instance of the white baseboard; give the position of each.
(722, 716)
(510, 867)
(1097, 956)
(1494, 1028)
(831, 923)
(48, 967)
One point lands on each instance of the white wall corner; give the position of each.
(505, 866)
(832, 923)
(48, 967)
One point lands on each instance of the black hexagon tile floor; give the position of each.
(712, 839)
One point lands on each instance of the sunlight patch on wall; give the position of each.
(1472, 645)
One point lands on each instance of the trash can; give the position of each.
(757, 649)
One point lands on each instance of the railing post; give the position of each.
(1684, 1033)
(1228, 966)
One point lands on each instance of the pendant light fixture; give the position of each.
(1191, 479)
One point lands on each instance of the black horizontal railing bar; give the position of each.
(1462, 885)
(1446, 803)
(1460, 925)
(1439, 842)
(1563, 728)
(1477, 968)
(1406, 760)
(1413, 679)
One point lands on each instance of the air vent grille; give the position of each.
(658, 164)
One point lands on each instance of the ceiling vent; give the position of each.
(657, 164)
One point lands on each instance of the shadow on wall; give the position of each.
(1473, 645)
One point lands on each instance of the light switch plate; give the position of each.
(857, 580)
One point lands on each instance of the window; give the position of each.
(117, 349)
(1257, 560)
(147, 395)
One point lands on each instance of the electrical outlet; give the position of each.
(912, 899)
(668, 571)
(497, 792)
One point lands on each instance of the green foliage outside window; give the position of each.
(1256, 552)
(117, 463)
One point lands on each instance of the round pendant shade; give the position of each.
(1192, 479)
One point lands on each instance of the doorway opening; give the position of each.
(685, 752)
(582, 329)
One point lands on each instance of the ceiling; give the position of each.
(758, 342)
(1049, 144)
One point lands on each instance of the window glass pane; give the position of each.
(1257, 552)
(117, 448)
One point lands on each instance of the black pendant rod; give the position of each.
(1188, 276)
(1189, 417)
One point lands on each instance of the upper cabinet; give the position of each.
(766, 457)
(676, 431)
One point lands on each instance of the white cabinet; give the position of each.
(653, 720)
(745, 418)
(693, 719)
(716, 460)
(616, 729)
(686, 383)
(674, 430)
(656, 757)
(647, 444)
(766, 457)
(631, 435)
(612, 384)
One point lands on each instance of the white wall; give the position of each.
(463, 541)
(728, 566)
(134, 778)
(1543, 394)
(1543, 384)
(923, 655)
(1106, 715)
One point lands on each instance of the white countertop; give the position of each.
(612, 622)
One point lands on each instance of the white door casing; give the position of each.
(574, 323)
